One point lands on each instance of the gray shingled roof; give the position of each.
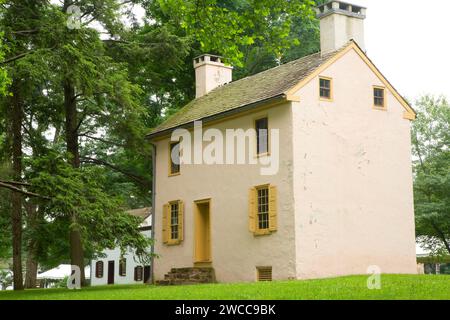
(247, 91)
(143, 213)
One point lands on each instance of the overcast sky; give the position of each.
(409, 41)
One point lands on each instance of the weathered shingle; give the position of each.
(259, 87)
(143, 213)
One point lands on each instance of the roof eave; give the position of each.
(278, 98)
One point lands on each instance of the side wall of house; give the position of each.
(236, 252)
(114, 255)
(352, 177)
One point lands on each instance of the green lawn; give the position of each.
(393, 287)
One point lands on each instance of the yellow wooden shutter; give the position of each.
(272, 208)
(165, 223)
(252, 210)
(180, 220)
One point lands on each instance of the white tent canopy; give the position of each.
(60, 272)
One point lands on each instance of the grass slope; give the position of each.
(394, 287)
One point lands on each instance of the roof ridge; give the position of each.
(263, 71)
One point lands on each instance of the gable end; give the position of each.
(409, 113)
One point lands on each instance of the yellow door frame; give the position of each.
(198, 230)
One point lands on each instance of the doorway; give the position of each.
(147, 273)
(202, 231)
(111, 272)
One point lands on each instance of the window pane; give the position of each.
(263, 208)
(262, 131)
(325, 88)
(175, 157)
(174, 221)
(325, 83)
(123, 267)
(99, 269)
(138, 273)
(378, 94)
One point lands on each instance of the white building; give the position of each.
(113, 270)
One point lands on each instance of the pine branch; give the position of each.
(142, 181)
(16, 183)
(117, 144)
(30, 194)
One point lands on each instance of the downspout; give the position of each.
(152, 250)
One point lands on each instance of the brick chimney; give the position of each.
(210, 73)
(339, 23)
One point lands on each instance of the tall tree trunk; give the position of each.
(31, 264)
(16, 197)
(71, 131)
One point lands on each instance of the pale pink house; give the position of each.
(341, 200)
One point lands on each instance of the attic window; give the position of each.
(264, 273)
(379, 98)
(214, 59)
(325, 88)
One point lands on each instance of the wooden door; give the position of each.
(147, 273)
(202, 225)
(111, 272)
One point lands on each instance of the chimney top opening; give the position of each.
(336, 32)
(356, 9)
(343, 6)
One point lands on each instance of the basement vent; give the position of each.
(264, 273)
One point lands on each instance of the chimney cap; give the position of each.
(341, 7)
(209, 58)
(208, 54)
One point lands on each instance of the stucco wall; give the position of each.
(235, 251)
(337, 29)
(352, 178)
(210, 75)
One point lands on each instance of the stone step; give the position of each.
(190, 270)
(185, 276)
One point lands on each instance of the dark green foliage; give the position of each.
(101, 218)
(126, 80)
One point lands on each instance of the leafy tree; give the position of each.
(83, 89)
(228, 26)
(431, 142)
(252, 35)
(4, 80)
(89, 94)
(102, 220)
